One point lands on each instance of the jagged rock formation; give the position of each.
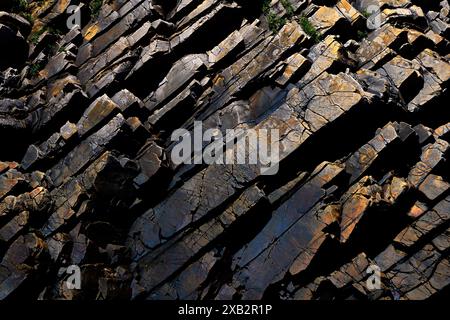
(86, 178)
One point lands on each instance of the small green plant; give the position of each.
(366, 14)
(55, 31)
(34, 69)
(28, 16)
(266, 6)
(34, 37)
(53, 48)
(309, 29)
(275, 22)
(288, 7)
(95, 6)
(361, 34)
(20, 6)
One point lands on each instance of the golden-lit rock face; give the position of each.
(354, 99)
(325, 18)
(91, 32)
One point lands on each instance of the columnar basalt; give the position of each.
(359, 98)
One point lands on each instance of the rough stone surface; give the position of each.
(87, 177)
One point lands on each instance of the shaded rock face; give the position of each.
(87, 178)
(15, 48)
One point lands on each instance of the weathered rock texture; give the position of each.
(86, 176)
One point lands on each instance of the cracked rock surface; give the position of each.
(87, 179)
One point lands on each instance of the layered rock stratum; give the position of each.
(360, 98)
